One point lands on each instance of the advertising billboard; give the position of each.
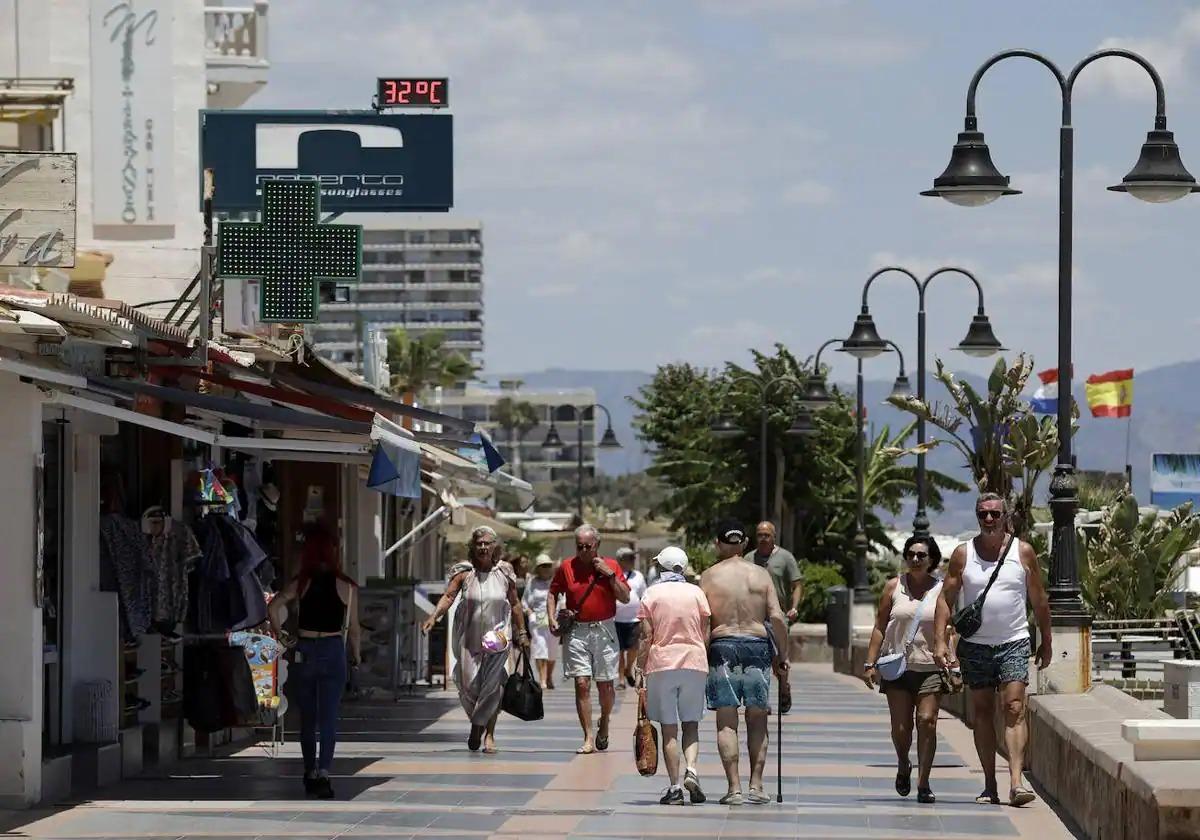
(1174, 479)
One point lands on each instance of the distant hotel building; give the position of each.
(419, 273)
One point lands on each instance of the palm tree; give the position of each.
(516, 417)
(424, 362)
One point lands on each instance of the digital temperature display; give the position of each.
(413, 93)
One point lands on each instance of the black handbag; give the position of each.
(522, 695)
(969, 619)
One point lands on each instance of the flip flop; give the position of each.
(602, 742)
(904, 779)
(585, 751)
(988, 798)
(1020, 796)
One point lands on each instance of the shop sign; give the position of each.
(133, 125)
(37, 209)
(364, 161)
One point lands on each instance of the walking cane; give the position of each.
(779, 751)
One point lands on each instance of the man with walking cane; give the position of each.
(742, 653)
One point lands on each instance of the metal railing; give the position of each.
(1128, 653)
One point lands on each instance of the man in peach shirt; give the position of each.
(673, 657)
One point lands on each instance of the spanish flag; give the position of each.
(1110, 394)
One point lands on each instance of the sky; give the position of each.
(684, 180)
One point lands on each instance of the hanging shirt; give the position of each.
(173, 554)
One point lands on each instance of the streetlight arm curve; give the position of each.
(1160, 93)
(820, 350)
(899, 353)
(948, 269)
(1064, 89)
(884, 270)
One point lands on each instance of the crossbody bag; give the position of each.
(566, 618)
(893, 666)
(969, 619)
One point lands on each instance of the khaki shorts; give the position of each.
(592, 650)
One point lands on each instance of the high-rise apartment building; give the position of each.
(419, 273)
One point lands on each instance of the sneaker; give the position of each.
(673, 796)
(692, 782)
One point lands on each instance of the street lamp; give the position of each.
(864, 341)
(971, 179)
(862, 587)
(553, 441)
(724, 428)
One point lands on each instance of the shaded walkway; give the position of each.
(403, 771)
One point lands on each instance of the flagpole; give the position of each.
(1128, 462)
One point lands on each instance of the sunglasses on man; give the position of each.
(989, 514)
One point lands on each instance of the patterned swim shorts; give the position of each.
(988, 666)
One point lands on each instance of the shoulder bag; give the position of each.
(969, 619)
(893, 666)
(566, 617)
(645, 741)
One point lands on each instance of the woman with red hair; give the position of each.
(327, 621)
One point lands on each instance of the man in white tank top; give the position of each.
(995, 659)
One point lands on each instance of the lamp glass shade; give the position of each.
(724, 428)
(609, 440)
(864, 341)
(980, 341)
(552, 441)
(802, 426)
(970, 179)
(815, 395)
(901, 388)
(1159, 175)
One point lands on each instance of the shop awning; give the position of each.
(372, 400)
(396, 464)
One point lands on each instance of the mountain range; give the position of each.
(1166, 418)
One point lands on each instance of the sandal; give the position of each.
(757, 797)
(988, 797)
(585, 750)
(925, 795)
(904, 779)
(1020, 796)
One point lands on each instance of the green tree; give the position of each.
(1131, 563)
(425, 362)
(517, 418)
(641, 493)
(1005, 445)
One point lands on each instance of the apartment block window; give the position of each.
(341, 294)
(416, 238)
(458, 236)
(414, 276)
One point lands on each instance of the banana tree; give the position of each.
(1131, 563)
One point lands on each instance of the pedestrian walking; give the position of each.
(483, 627)
(544, 646)
(748, 640)
(781, 564)
(911, 680)
(627, 614)
(593, 586)
(327, 624)
(673, 661)
(992, 577)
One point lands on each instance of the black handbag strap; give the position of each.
(995, 571)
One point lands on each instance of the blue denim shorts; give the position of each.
(988, 666)
(739, 673)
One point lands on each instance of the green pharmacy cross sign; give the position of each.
(290, 251)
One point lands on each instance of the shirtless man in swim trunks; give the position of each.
(741, 656)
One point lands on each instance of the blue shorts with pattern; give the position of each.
(988, 666)
(739, 673)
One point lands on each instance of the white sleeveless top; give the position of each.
(1004, 617)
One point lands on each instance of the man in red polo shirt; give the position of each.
(592, 585)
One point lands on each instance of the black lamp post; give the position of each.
(972, 179)
(553, 441)
(801, 426)
(862, 586)
(864, 342)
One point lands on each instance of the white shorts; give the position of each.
(543, 644)
(675, 696)
(592, 651)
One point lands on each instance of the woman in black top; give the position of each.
(328, 620)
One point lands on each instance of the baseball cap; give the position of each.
(672, 559)
(543, 560)
(731, 532)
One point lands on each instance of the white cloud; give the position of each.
(812, 193)
(853, 50)
(714, 344)
(1172, 56)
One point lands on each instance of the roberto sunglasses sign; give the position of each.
(37, 209)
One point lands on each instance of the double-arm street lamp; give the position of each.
(971, 179)
(553, 441)
(865, 341)
(801, 426)
(815, 396)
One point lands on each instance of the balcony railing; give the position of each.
(422, 246)
(236, 35)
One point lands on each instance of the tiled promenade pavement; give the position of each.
(403, 771)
